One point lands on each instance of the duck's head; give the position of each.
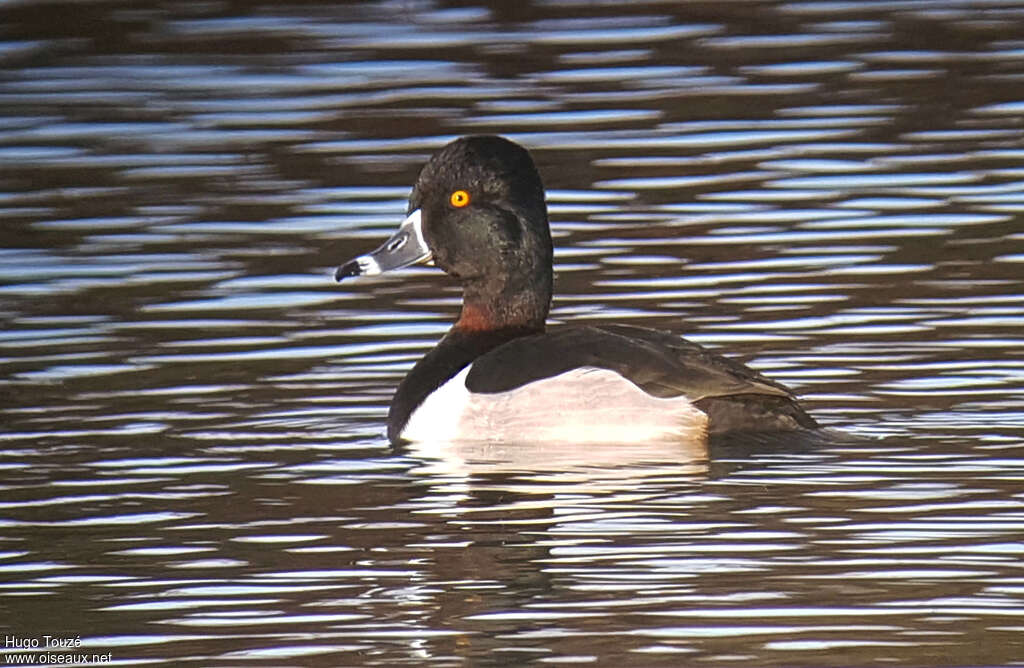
(478, 212)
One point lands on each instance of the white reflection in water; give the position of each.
(466, 458)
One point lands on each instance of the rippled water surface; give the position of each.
(192, 465)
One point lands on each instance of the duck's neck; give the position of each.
(482, 326)
(513, 302)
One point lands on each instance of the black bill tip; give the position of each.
(351, 268)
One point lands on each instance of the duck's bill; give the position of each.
(407, 247)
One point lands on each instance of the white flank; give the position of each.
(584, 405)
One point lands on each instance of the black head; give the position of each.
(478, 211)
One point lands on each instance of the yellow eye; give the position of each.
(459, 199)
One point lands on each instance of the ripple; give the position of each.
(575, 118)
(624, 35)
(107, 520)
(889, 180)
(65, 372)
(788, 41)
(247, 302)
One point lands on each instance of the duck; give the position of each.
(478, 212)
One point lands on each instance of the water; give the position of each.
(192, 464)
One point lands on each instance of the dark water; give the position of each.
(192, 466)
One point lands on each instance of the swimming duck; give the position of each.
(477, 211)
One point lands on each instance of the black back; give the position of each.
(659, 363)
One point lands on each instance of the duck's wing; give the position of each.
(660, 363)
